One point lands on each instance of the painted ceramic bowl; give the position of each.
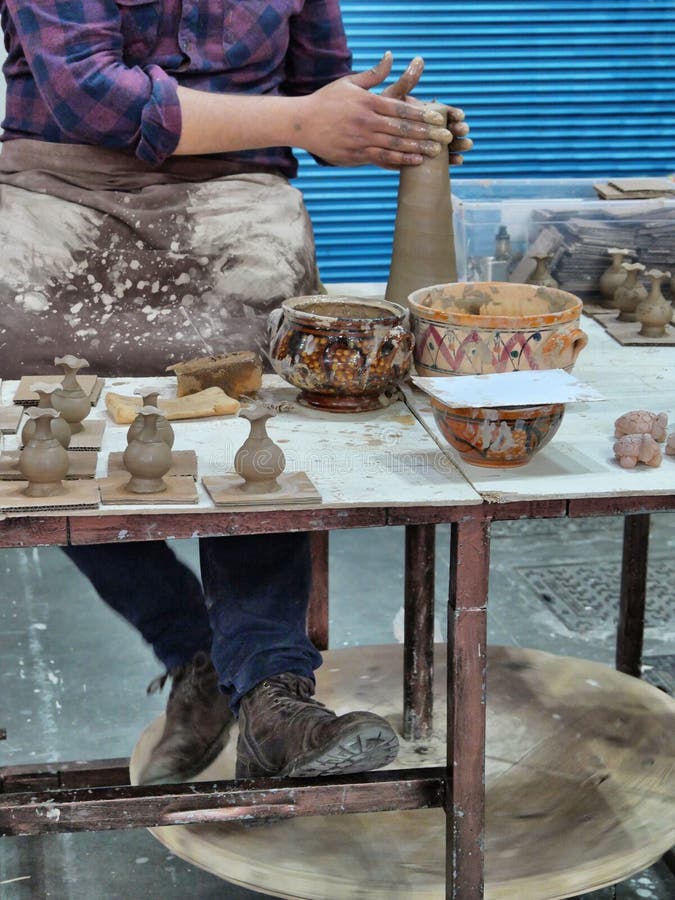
(484, 327)
(508, 436)
(344, 353)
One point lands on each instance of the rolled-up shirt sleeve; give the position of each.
(74, 50)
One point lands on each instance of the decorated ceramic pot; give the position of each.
(505, 437)
(484, 327)
(344, 353)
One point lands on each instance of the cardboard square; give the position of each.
(76, 495)
(628, 334)
(91, 436)
(184, 463)
(296, 489)
(180, 489)
(25, 397)
(10, 419)
(82, 464)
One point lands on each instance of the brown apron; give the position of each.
(134, 269)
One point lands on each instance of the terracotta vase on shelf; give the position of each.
(70, 400)
(43, 461)
(259, 461)
(613, 276)
(60, 428)
(541, 274)
(424, 243)
(655, 312)
(147, 457)
(149, 397)
(630, 293)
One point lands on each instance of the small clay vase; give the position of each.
(149, 397)
(424, 242)
(612, 277)
(70, 400)
(655, 312)
(147, 457)
(630, 293)
(43, 461)
(541, 274)
(60, 428)
(259, 461)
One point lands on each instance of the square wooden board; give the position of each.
(82, 464)
(297, 488)
(627, 333)
(25, 397)
(10, 419)
(76, 495)
(91, 436)
(180, 489)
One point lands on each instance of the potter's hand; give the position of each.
(407, 83)
(347, 125)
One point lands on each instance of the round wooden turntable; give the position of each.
(579, 776)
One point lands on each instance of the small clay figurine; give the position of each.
(655, 312)
(43, 461)
(631, 449)
(259, 461)
(639, 421)
(541, 274)
(148, 457)
(630, 293)
(149, 396)
(670, 444)
(612, 277)
(60, 428)
(70, 400)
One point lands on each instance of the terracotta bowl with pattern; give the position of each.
(504, 437)
(483, 327)
(346, 354)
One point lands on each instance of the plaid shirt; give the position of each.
(105, 72)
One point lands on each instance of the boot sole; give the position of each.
(364, 747)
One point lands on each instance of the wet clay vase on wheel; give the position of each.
(148, 457)
(630, 293)
(43, 461)
(149, 397)
(485, 327)
(344, 353)
(424, 244)
(70, 400)
(259, 461)
(541, 274)
(612, 277)
(655, 312)
(60, 428)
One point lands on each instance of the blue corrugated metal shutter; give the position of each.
(555, 88)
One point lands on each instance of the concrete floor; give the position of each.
(73, 675)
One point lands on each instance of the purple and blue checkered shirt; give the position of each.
(105, 72)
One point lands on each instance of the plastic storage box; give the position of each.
(561, 217)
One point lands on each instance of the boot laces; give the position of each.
(286, 692)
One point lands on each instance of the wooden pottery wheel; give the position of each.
(580, 789)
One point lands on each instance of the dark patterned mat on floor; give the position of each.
(585, 595)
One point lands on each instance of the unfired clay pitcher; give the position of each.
(149, 397)
(43, 461)
(612, 277)
(259, 461)
(541, 274)
(424, 242)
(655, 312)
(70, 400)
(148, 457)
(60, 428)
(630, 293)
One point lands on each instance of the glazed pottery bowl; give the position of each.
(484, 327)
(344, 353)
(503, 437)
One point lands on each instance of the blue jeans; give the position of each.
(250, 614)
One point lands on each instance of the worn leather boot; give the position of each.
(198, 721)
(283, 731)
